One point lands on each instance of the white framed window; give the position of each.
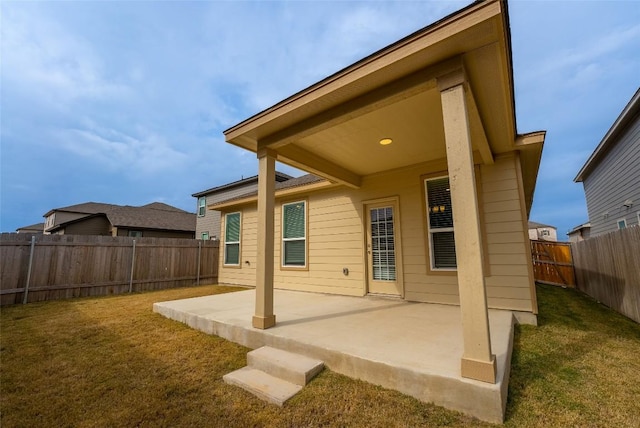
(204, 236)
(294, 234)
(622, 223)
(442, 248)
(202, 206)
(232, 227)
(544, 232)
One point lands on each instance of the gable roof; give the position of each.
(630, 111)
(535, 225)
(280, 177)
(36, 226)
(83, 208)
(155, 215)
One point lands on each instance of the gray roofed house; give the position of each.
(152, 220)
(611, 175)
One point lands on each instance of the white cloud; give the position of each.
(50, 63)
(147, 155)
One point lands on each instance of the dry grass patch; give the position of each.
(110, 361)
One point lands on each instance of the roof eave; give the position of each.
(628, 113)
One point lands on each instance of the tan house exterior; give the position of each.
(439, 215)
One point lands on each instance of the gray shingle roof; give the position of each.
(155, 215)
(280, 177)
(294, 182)
(146, 217)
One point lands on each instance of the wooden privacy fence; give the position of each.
(552, 263)
(608, 269)
(49, 267)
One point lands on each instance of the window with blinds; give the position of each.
(294, 234)
(202, 202)
(232, 239)
(440, 224)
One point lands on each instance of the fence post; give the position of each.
(199, 255)
(133, 264)
(26, 287)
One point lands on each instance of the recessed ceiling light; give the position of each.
(386, 141)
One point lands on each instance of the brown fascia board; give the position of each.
(280, 177)
(370, 58)
(630, 111)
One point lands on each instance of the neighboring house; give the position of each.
(426, 185)
(208, 221)
(32, 228)
(611, 175)
(156, 220)
(542, 232)
(580, 232)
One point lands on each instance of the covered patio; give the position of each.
(372, 338)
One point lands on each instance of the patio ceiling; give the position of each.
(333, 128)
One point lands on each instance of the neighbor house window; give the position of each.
(294, 234)
(204, 236)
(442, 246)
(202, 202)
(135, 233)
(232, 239)
(622, 223)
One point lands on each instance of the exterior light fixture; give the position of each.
(386, 141)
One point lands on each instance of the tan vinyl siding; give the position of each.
(336, 239)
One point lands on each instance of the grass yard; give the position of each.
(112, 362)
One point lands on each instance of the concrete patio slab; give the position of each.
(414, 348)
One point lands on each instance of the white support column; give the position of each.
(477, 360)
(264, 317)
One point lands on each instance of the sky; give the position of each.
(126, 102)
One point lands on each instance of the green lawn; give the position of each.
(111, 362)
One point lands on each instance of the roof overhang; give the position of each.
(628, 114)
(333, 127)
(280, 193)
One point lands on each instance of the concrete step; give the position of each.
(263, 385)
(294, 368)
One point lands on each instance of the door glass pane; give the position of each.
(383, 256)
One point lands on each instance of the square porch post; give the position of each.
(264, 317)
(477, 361)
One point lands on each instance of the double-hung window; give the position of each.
(202, 202)
(232, 239)
(442, 246)
(294, 234)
